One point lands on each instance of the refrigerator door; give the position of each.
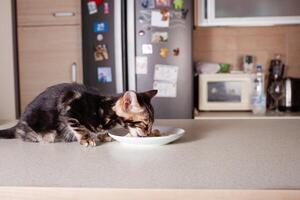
(103, 60)
(179, 40)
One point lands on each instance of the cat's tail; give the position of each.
(8, 133)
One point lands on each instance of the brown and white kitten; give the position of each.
(74, 112)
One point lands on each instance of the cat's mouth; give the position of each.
(137, 132)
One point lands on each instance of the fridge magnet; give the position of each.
(99, 37)
(176, 52)
(101, 52)
(184, 13)
(159, 37)
(163, 52)
(165, 14)
(100, 27)
(141, 65)
(98, 2)
(163, 3)
(141, 33)
(165, 89)
(106, 8)
(167, 73)
(178, 4)
(147, 4)
(147, 49)
(92, 7)
(160, 18)
(141, 19)
(104, 75)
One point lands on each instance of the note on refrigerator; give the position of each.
(167, 73)
(147, 49)
(165, 80)
(141, 64)
(165, 89)
(160, 18)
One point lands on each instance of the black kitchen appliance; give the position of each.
(291, 98)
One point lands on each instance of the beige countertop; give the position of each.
(214, 154)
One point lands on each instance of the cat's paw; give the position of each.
(104, 138)
(88, 142)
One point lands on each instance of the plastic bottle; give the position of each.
(258, 99)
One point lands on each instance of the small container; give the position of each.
(248, 64)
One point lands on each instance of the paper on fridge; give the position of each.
(141, 64)
(168, 73)
(160, 18)
(147, 49)
(165, 80)
(165, 89)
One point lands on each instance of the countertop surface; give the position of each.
(213, 154)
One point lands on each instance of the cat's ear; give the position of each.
(130, 102)
(149, 94)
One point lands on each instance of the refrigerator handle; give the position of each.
(118, 45)
(131, 44)
(74, 72)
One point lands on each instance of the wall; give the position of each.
(229, 44)
(7, 85)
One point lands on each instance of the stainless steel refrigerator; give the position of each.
(141, 45)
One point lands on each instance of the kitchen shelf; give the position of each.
(244, 115)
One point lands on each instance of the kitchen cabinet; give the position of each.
(49, 45)
(247, 13)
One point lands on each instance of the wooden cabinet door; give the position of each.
(46, 55)
(48, 12)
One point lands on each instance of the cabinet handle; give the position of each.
(74, 72)
(63, 14)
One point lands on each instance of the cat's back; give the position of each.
(52, 96)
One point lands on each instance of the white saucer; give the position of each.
(168, 134)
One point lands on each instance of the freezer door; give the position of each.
(179, 37)
(103, 60)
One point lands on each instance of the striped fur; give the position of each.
(72, 112)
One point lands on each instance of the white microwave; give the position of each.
(225, 92)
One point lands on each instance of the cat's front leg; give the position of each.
(74, 129)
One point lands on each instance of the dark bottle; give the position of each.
(276, 73)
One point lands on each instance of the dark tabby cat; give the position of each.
(73, 112)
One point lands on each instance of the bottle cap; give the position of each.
(259, 68)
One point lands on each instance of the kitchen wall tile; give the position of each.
(230, 44)
(210, 43)
(274, 43)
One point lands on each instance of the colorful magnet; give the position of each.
(104, 75)
(99, 37)
(100, 27)
(164, 14)
(101, 52)
(92, 7)
(178, 4)
(163, 52)
(159, 37)
(106, 8)
(98, 2)
(176, 51)
(184, 13)
(145, 3)
(141, 33)
(163, 3)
